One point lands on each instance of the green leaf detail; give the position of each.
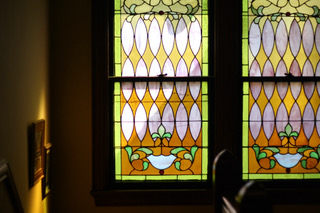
(155, 135)
(262, 155)
(145, 150)
(301, 16)
(282, 134)
(303, 149)
(133, 9)
(188, 156)
(318, 149)
(256, 149)
(314, 155)
(275, 16)
(189, 7)
(145, 165)
(316, 10)
(175, 16)
(260, 9)
(195, 9)
(304, 164)
(257, 20)
(167, 135)
(192, 18)
(318, 20)
(177, 165)
(135, 156)
(193, 151)
(126, 9)
(129, 151)
(129, 18)
(273, 149)
(161, 130)
(272, 163)
(177, 150)
(294, 134)
(254, 11)
(288, 129)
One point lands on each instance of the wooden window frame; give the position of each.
(104, 188)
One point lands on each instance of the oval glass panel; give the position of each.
(127, 121)
(255, 87)
(254, 39)
(268, 121)
(295, 87)
(318, 74)
(141, 71)
(295, 38)
(154, 37)
(154, 120)
(281, 118)
(268, 87)
(281, 38)
(195, 121)
(127, 37)
(182, 36)
(181, 121)
(127, 87)
(295, 118)
(154, 87)
(181, 87)
(167, 87)
(308, 86)
(308, 37)
(255, 121)
(194, 87)
(195, 37)
(318, 121)
(308, 121)
(282, 87)
(317, 38)
(168, 118)
(141, 122)
(141, 36)
(168, 36)
(267, 38)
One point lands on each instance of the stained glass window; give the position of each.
(281, 89)
(160, 90)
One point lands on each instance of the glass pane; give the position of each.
(163, 125)
(281, 119)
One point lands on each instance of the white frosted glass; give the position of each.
(141, 71)
(181, 121)
(141, 36)
(255, 121)
(141, 122)
(317, 38)
(168, 118)
(318, 74)
(308, 37)
(308, 120)
(195, 37)
(167, 87)
(318, 121)
(127, 87)
(154, 119)
(154, 87)
(127, 37)
(281, 118)
(182, 36)
(194, 87)
(295, 38)
(195, 121)
(168, 36)
(127, 121)
(308, 86)
(282, 86)
(268, 121)
(295, 87)
(255, 87)
(181, 87)
(254, 39)
(268, 86)
(267, 38)
(154, 37)
(281, 38)
(295, 118)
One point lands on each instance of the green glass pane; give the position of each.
(125, 177)
(245, 88)
(245, 70)
(205, 109)
(245, 160)
(205, 24)
(245, 133)
(204, 161)
(117, 52)
(117, 25)
(117, 134)
(245, 5)
(205, 134)
(117, 70)
(117, 4)
(205, 70)
(245, 176)
(118, 177)
(204, 4)
(245, 107)
(288, 176)
(311, 176)
(117, 153)
(204, 177)
(204, 88)
(245, 28)
(189, 177)
(117, 90)
(162, 177)
(260, 176)
(244, 54)
(205, 50)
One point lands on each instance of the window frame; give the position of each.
(104, 189)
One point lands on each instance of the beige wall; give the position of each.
(23, 88)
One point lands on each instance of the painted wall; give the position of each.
(23, 88)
